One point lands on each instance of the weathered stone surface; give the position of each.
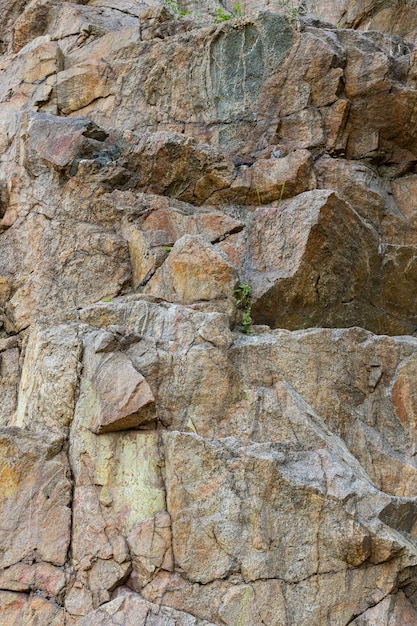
(150, 546)
(396, 17)
(118, 486)
(9, 379)
(49, 379)
(403, 190)
(238, 525)
(101, 566)
(194, 272)
(67, 19)
(351, 390)
(49, 579)
(129, 608)
(151, 234)
(22, 608)
(272, 179)
(124, 398)
(29, 79)
(225, 602)
(313, 59)
(264, 45)
(79, 86)
(307, 436)
(159, 22)
(59, 141)
(176, 369)
(311, 264)
(153, 169)
(35, 499)
(63, 243)
(289, 254)
(62, 267)
(397, 277)
(358, 184)
(394, 610)
(172, 164)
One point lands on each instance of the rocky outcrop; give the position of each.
(207, 314)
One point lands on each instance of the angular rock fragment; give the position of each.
(28, 80)
(80, 85)
(271, 179)
(123, 397)
(181, 376)
(314, 262)
(359, 185)
(194, 272)
(175, 165)
(311, 264)
(152, 234)
(59, 141)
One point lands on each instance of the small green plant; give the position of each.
(224, 16)
(243, 292)
(221, 16)
(174, 7)
(167, 248)
(237, 11)
(107, 300)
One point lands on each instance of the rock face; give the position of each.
(208, 302)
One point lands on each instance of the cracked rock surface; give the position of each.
(208, 310)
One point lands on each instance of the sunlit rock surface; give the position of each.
(208, 309)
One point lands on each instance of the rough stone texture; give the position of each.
(9, 378)
(49, 379)
(394, 610)
(35, 498)
(195, 271)
(310, 262)
(150, 546)
(166, 183)
(20, 608)
(129, 608)
(123, 397)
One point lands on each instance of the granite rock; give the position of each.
(207, 313)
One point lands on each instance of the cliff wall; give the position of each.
(208, 309)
